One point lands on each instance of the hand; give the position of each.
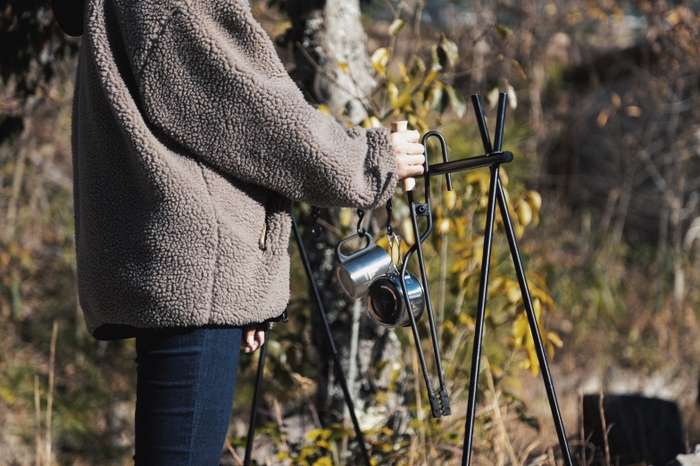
(409, 153)
(253, 338)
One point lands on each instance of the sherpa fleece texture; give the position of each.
(190, 141)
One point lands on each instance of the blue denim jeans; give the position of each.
(184, 394)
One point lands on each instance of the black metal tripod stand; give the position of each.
(493, 158)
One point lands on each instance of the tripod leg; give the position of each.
(525, 291)
(534, 328)
(519, 271)
(480, 314)
(338, 368)
(527, 299)
(256, 398)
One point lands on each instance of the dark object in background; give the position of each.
(69, 15)
(641, 429)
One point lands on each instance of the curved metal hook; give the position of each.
(443, 146)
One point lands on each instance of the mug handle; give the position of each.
(342, 257)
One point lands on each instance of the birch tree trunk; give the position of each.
(330, 48)
(333, 65)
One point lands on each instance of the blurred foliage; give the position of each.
(619, 300)
(33, 47)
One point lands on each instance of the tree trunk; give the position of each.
(328, 40)
(330, 49)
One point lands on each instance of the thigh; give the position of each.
(185, 386)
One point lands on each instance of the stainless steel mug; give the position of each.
(386, 304)
(357, 270)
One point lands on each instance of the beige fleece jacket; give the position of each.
(189, 143)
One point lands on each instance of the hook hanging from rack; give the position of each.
(361, 232)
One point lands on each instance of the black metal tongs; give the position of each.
(439, 402)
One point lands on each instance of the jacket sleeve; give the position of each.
(212, 82)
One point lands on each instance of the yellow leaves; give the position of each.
(554, 339)
(399, 101)
(380, 60)
(456, 101)
(417, 90)
(325, 461)
(603, 116)
(513, 292)
(494, 93)
(615, 99)
(450, 199)
(524, 214)
(516, 64)
(371, 122)
(633, 111)
(466, 320)
(443, 226)
(673, 18)
(522, 338)
(448, 52)
(434, 99)
(344, 67)
(535, 199)
(320, 437)
(407, 229)
(512, 97)
(616, 104)
(396, 27)
(492, 97)
(346, 217)
(7, 395)
(393, 92)
(479, 178)
(404, 75)
(521, 333)
(502, 30)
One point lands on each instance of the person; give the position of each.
(190, 143)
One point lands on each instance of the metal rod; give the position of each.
(534, 328)
(434, 408)
(329, 335)
(444, 404)
(500, 123)
(445, 157)
(439, 403)
(256, 398)
(480, 315)
(470, 163)
(481, 123)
